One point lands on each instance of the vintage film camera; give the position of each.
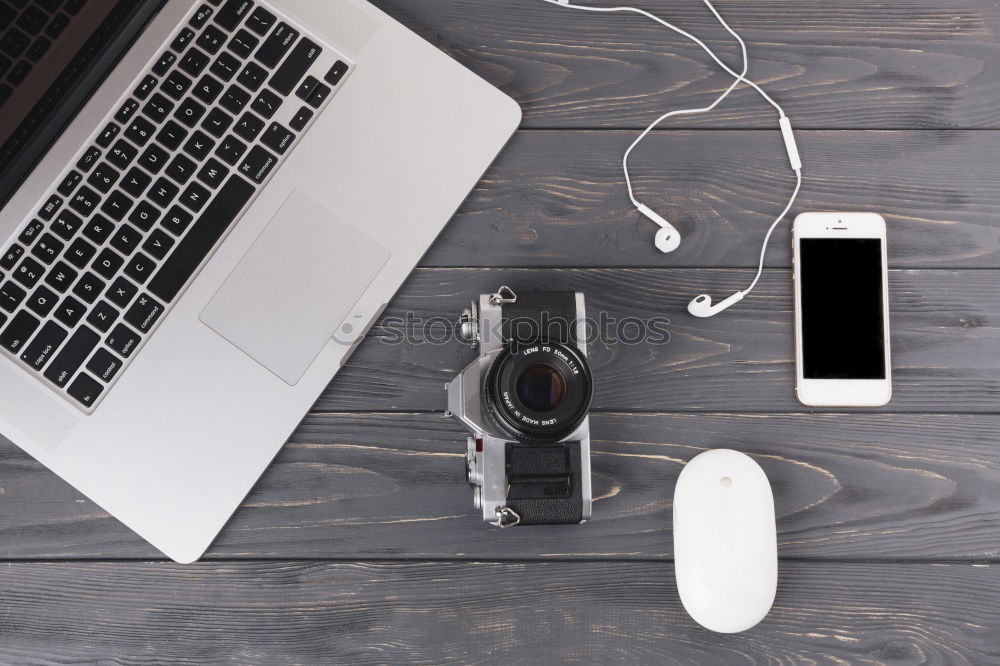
(526, 400)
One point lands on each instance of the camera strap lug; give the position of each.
(504, 295)
(507, 517)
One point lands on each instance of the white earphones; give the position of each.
(667, 237)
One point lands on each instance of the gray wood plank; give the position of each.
(946, 344)
(359, 486)
(483, 613)
(559, 198)
(850, 64)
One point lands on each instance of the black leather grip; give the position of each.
(541, 316)
(544, 482)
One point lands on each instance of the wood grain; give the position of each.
(848, 64)
(478, 612)
(361, 486)
(559, 198)
(946, 342)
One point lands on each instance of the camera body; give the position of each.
(526, 401)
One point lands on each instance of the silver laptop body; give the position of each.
(173, 438)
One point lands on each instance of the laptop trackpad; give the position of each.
(294, 287)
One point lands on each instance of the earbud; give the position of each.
(667, 238)
(701, 306)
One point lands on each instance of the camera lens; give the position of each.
(541, 387)
(538, 392)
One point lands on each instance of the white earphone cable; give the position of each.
(738, 78)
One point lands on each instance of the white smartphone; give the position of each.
(841, 310)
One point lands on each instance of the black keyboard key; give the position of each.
(176, 220)
(163, 192)
(211, 39)
(50, 207)
(38, 49)
(69, 183)
(231, 150)
(32, 19)
(107, 264)
(123, 340)
(126, 239)
(85, 201)
(190, 112)
(208, 89)
(89, 159)
(118, 204)
(122, 292)
(18, 332)
(30, 233)
(60, 277)
(243, 44)
(3, 319)
(122, 154)
(199, 17)
(176, 85)
(319, 95)
(73, 354)
(217, 122)
(253, 76)
(11, 296)
(10, 257)
(199, 146)
(232, 13)
(181, 169)
(102, 316)
(145, 87)
(14, 43)
(249, 127)
(85, 390)
(195, 197)
(194, 62)
(20, 72)
(201, 239)
(172, 135)
(276, 46)
(140, 131)
(38, 353)
(143, 314)
(336, 73)
(182, 40)
(144, 216)
(213, 173)
(306, 88)
(261, 21)
(108, 135)
(29, 272)
(266, 104)
(7, 16)
(154, 159)
(80, 253)
(158, 108)
(74, 6)
(258, 164)
(158, 244)
(70, 312)
(5, 93)
(235, 99)
(164, 63)
(104, 365)
(98, 229)
(127, 110)
(278, 138)
(104, 177)
(57, 25)
(136, 181)
(140, 268)
(42, 301)
(225, 66)
(295, 67)
(301, 119)
(47, 249)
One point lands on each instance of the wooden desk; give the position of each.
(361, 545)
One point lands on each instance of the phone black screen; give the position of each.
(843, 335)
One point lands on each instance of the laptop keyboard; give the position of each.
(113, 245)
(27, 32)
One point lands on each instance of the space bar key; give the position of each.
(201, 238)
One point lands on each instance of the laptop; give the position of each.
(206, 204)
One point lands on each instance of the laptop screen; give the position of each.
(53, 55)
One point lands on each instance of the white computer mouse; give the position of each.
(725, 541)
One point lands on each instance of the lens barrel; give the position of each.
(538, 391)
